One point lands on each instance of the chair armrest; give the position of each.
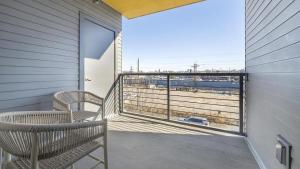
(93, 99)
(60, 106)
(34, 118)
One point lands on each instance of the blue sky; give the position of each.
(210, 33)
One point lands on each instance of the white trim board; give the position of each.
(255, 154)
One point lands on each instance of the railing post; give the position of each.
(168, 96)
(121, 93)
(241, 104)
(103, 108)
(122, 88)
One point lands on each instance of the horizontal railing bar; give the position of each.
(187, 74)
(205, 92)
(146, 106)
(144, 88)
(152, 81)
(215, 92)
(224, 105)
(204, 103)
(203, 87)
(145, 92)
(209, 98)
(130, 85)
(205, 109)
(198, 114)
(144, 80)
(196, 108)
(145, 102)
(150, 98)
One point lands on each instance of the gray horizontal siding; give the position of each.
(23, 62)
(273, 64)
(35, 78)
(29, 54)
(16, 87)
(39, 42)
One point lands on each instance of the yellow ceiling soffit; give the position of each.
(136, 8)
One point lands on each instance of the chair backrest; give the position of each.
(49, 132)
(63, 100)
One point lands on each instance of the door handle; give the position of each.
(87, 80)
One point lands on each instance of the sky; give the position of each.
(210, 33)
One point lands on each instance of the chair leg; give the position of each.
(34, 152)
(105, 159)
(6, 159)
(1, 158)
(105, 146)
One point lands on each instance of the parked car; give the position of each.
(195, 120)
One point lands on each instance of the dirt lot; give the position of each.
(221, 108)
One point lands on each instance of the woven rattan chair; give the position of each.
(46, 140)
(73, 101)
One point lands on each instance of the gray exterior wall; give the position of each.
(39, 49)
(273, 89)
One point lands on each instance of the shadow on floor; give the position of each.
(140, 144)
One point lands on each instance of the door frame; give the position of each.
(82, 17)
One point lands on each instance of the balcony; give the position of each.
(156, 120)
(145, 131)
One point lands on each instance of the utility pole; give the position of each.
(131, 69)
(195, 67)
(138, 65)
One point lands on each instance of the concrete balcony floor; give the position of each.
(143, 143)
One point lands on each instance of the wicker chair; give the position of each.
(73, 101)
(46, 140)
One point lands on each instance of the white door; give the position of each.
(98, 49)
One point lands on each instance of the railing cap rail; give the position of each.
(189, 74)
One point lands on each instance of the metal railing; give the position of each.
(184, 97)
(113, 99)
